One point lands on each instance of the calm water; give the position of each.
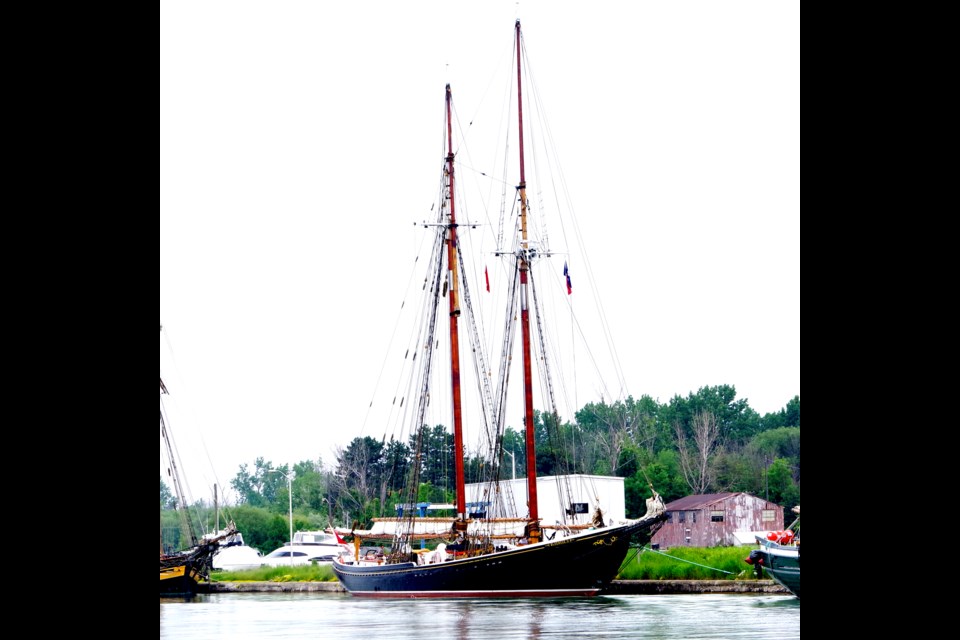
(236, 616)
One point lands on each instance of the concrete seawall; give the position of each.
(693, 586)
(617, 587)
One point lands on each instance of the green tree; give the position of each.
(258, 526)
(167, 500)
(736, 421)
(789, 416)
(437, 466)
(262, 486)
(639, 440)
(396, 465)
(734, 472)
(513, 442)
(355, 483)
(781, 442)
(782, 489)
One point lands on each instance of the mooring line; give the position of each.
(687, 561)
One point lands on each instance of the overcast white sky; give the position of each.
(297, 146)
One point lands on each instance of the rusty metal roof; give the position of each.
(691, 503)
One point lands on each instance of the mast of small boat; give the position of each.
(453, 287)
(185, 523)
(162, 390)
(533, 531)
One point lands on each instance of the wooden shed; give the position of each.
(717, 520)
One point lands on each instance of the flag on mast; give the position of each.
(566, 273)
(487, 276)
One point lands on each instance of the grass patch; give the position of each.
(688, 563)
(303, 573)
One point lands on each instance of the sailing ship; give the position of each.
(490, 548)
(779, 555)
(181, 572)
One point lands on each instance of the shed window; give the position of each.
(768, 515)
(681, 516)
(716, 516)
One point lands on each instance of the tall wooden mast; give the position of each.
(453, 287)
(533, 532)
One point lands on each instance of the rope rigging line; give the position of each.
(687, 561)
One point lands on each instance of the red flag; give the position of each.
(339, 539)
(487, 276)
(567, 274)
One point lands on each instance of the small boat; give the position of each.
(779, 555)
(490, 547)
(182, 571)
(234, 555)
(309, 547)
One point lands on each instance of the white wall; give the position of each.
(608, 490)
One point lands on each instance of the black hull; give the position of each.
(781, 564)
(581, 565)
(784, 570)
(787, 578)
(180, 580)
(181, 573)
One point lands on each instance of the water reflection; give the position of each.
(660, 617)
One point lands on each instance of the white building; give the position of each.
(586, 494)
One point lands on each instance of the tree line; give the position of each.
(708, 442)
